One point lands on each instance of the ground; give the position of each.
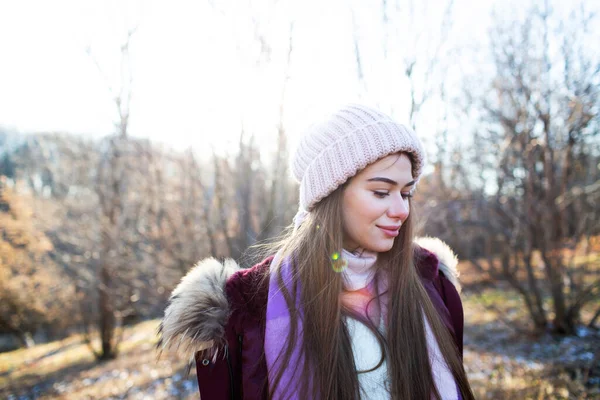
(66, 370)
(503, 361)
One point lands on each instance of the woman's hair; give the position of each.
(328, 369)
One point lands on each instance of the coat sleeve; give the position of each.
(200, 321)
(213, 376)
(219, 377)
(454, 305)
(241, 371)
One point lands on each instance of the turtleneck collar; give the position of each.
(359, 271)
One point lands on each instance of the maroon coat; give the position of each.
(233, 318)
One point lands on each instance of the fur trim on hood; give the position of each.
(198, 309)
(448, 262)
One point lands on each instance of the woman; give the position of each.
(350, 306)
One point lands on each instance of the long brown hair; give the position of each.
(328, 368)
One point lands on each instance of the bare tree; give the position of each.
(254, 208)
(185, 231)
(414, 44)
(540, 127)
(278, 199)
(121, 93)
(236, 184)
(111, 188)
(154, 229)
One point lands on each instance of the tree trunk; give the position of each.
(26, 339)
(539, 317)
(107, 321)
(563, 323)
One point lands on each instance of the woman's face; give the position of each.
(375, 203)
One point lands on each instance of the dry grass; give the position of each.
(66, 370)
(502, 360)
(505, 361)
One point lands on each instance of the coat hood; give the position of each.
(198, 309)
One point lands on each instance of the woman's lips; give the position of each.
(391, 231)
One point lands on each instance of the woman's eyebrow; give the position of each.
(387, 180)
(381, 179)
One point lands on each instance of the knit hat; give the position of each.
(336, 149)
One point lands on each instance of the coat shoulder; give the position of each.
(447, 260)
(198, 309)
(247, 291)
(202, 305)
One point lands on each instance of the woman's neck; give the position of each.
(360, 269)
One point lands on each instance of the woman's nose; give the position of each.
(399, 208)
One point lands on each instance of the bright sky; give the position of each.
(195, 78)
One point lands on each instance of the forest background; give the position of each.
(162, 135)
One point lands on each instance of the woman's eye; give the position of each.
(381, 195)
(407, 195)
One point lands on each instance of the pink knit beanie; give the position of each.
(336, 149)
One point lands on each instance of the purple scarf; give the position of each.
(277, 332)
(278, 320)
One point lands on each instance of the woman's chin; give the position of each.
(380, 247)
